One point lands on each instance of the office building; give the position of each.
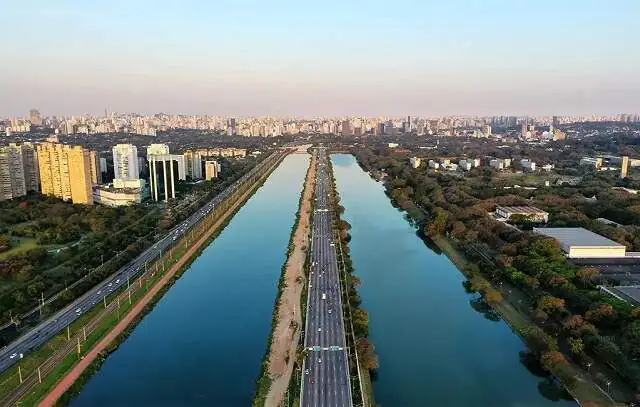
(65, 172)
(12, 182)
(193, 164)
(125, 161)
(164, 172)
(211, 170)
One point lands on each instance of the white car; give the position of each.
(13, 356)
(79, 310)
(319, 329)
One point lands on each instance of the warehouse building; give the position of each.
(580, 243)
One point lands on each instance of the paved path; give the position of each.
(65, 383)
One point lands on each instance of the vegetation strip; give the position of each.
(364, 359)
(62, 358)
(268, 392)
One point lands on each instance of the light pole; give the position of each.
(589, 368)
(608, 386)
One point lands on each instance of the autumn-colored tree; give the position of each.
(574, 322)
(586, 274)
(458, 230)
(557, 281)
(492, 296)
(366, 352)
(600, 312)
(635, 313)
(551, 304)
(552, 359)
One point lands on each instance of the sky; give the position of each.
(320, 58)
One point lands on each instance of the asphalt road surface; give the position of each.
(50, 327)
(325, 380)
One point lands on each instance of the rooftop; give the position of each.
(577, 237)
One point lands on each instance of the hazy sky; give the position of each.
(329, 57)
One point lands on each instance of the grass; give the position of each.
(584, 390)
(19, 245)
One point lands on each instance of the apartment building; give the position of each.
(66, 172)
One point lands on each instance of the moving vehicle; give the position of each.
(324, 296)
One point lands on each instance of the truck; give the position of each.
(324, 296)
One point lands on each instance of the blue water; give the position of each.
(203, 342)
(434, 349)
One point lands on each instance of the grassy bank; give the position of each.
(263, 382)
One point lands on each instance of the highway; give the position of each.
(325, 381)
(56, 323)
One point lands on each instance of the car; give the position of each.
(13, 355)
(117, 281)
(110, 284)
(329, 311)
(319, 329)
(79, 310)
(99, 292)
(319, 360)
(306, 371)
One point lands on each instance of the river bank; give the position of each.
(278, 363)
(509, 304)
(72, 383)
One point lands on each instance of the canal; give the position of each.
(435, 348)
(203, 342)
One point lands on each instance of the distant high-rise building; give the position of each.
(231, 127)
(211, 170)
(12, 182)
(34, 117)
(193, 164)
(624, 167)
(125, 161)
(346, 128)
(555, 122)
(65, 172)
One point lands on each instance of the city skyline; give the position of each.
(332, 58)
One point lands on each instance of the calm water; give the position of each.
(435, 350)
(203, 342)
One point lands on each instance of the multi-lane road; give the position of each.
(325, 380)
(50, 327)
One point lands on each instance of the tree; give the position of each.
(550, 360)
(366, 352)
(493, 296)
(586, 274)
(631, 339)
(575, 345)
(5, 243)
(458, 230)
(437, 225)
(551, 304)
(600, 312)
